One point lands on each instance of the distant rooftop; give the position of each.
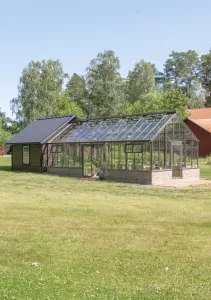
(199, 113)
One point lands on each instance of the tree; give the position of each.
(15, 126)
(182, 69)
(38, 91)
(105, 85)
(76, 90)
(140, 81)
(205, 75)
(67, 107)
(160, 79)
(175, 100)
(4, 132)
(196, 97)
(171, 100)
(4, 136)
(3, 120)
(151, 102)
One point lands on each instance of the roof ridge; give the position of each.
(162, 112)
(54, 117)
(199, 108)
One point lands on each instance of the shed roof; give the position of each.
(116, 129)
(40, 130)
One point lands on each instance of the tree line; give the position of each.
(184, 82)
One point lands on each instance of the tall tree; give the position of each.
(105, 85)
(205, 75)
(38, 91)
(140, 81)
(76, 90)
(182, 68)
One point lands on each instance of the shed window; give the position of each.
(26, 155)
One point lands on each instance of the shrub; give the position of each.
(208, 160)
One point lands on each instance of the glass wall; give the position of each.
(121, 156)
(175, 144)
(65, 155)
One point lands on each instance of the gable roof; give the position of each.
(116, 129)
(199, 113)
(40, 130)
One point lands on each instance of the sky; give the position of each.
(76, 31)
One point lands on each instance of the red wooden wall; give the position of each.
(204, 138)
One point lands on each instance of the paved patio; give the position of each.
(181, 183)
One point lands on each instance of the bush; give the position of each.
(208, 160)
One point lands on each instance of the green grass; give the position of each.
(100, 240)
(205, 169)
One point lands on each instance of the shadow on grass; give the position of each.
(5, 168)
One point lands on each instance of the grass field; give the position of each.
(100, 240)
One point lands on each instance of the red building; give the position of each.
(2, 150)
(199, 123)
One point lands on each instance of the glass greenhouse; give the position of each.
(145, 149)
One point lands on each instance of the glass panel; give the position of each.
(66, 155)
(177, 161)
(87, 161)
(124, 129)
(175, 131)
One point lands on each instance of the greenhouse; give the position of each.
(145, 149)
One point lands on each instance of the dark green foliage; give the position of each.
(205, 76)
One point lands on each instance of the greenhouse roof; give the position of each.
(116, 129)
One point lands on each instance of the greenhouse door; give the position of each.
(92, 160)
(177, 160)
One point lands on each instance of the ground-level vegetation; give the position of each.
(62, 238)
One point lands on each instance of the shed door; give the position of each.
(177, 160)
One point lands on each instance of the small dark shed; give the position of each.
(29, 145)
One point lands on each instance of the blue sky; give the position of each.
(75, 31)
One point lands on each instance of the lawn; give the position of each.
(100, 240)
